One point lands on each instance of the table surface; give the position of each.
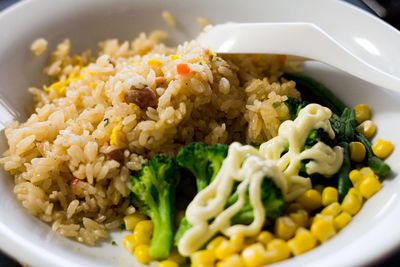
(391, 261)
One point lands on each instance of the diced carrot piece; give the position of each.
(182, 68)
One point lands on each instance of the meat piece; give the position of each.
(116, 154)
(144, 98)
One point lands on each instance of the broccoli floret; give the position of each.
(153, 193)
(294, 105)
(203, 161)
(272, 199)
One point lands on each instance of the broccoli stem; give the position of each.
(184, 225)
(376, 164)
(163, 230)
(314, 91)
(344, 182)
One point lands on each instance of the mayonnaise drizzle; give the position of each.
(249, 166)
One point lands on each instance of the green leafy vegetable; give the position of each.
(153, 192)
(344, 126)
(344, 184)
(294, 105)
(314, 91)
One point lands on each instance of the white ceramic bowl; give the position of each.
(373, 233)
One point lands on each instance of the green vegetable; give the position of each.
(153, 193)
(203, 161)
(114, 243)
(184, 225)
(106, 122)
(316, 136)
(294, 105)
(344, 126)
(344, 184)
(376, 164)
(314, 91)
(271, 197)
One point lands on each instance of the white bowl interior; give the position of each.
(373, 231)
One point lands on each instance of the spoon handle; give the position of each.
(297, 39)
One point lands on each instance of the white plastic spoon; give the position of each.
(297, 39)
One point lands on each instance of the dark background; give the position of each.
(392, 16)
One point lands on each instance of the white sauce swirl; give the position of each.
(249, 166)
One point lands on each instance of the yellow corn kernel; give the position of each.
(363, 113)
(369, 186)
(285, 227)
(93, 85)
(366, 170)
(224, 250)
(154, 62)
(382, 148)
(357, 151)
(333, 209)
(351, 203)
(213, 244)
(300, 217)
(232, 261)
(310, 200)
(323, 229)
(237, 241)
(173, 57)
(168, 263)
(129, 243)
(132, 220)
(202, 257)
(142, 254)
(342, 220)
(357, 193)
(264, 237)
(176, 257)
(254, 255)
(302, 242)
(329, 196)
(278, 250)
(143, 232)
(356, 177)
(367, 128)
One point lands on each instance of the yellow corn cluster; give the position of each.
(138, 242)
(365, 181)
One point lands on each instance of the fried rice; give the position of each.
(102, 117)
